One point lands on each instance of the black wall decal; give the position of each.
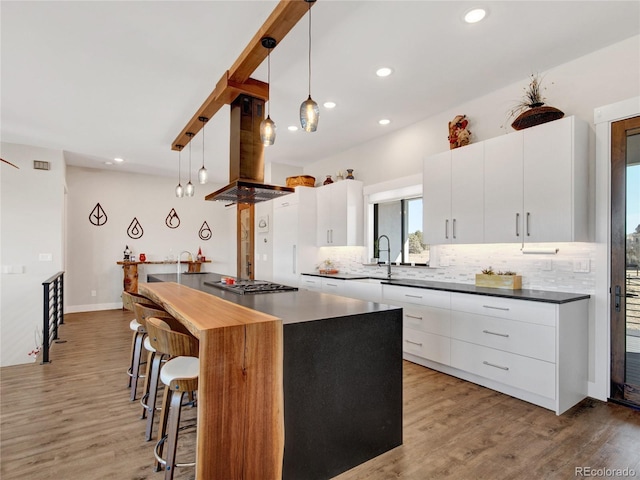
(205, 232)
(135, 230)
(98, 216)
(172, 220)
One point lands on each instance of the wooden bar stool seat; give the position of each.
(180, 376)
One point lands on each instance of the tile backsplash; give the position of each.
(571, 269)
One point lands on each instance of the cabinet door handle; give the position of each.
(495, 366)
(328, 236)
(331, 285)
(413, 316)
(528, 232)
(618, 298)
(294, 259)
(506, 309)
(446, 228)
(419, 344)
(412, 296)
(517, 224)
(453, 228)
(505, 335)
(285, 204)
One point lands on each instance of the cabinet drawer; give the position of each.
(528, 339)
(334, 286)
(418, 296)
(523, 310)
(427, 345)
(311, 283)
(525, 373)
(427, 319)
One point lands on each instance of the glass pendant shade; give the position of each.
(203, 175)
(179, 191)
(267, 131)
(309, 114)
(189, 189)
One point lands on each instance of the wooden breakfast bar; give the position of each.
(240, 393)
(330, 366)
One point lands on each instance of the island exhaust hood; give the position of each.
(246, 168)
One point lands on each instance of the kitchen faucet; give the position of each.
(388, 253)
(179, 257)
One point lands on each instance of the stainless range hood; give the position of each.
(246, 168)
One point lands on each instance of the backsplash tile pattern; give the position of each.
(460, 263)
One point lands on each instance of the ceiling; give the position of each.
(122, 78)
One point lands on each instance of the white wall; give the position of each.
(94, 250)
(31, 220)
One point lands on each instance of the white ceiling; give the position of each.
(121, 78)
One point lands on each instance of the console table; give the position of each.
(130, 281)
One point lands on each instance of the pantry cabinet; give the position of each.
(294, 248)
(535, 184)
(453, 186)
(340, 214)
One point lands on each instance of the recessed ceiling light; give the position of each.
(292, 128)
(384, 72)
(329, 104)
(384, 121)
(118, 160)
(475, 15)
(108, 163)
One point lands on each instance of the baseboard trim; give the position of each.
(92, 307)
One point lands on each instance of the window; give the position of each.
(401, 221)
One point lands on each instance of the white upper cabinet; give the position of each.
(535, 184)
(340, 214)
(452, 196)
(503, 189)
(555, 181)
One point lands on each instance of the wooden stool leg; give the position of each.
(154, 375)
(135, 367)
(172, 434)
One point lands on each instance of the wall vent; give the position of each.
(40, 165)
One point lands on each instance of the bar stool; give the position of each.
(179, 375)
(154, 361)
(129, 300)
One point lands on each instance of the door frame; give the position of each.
(600, 334)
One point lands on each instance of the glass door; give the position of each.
(625, 261)
(245, 241)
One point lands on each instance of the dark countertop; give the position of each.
(291, 307)
(524, 294)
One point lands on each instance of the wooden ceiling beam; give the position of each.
(236, 80)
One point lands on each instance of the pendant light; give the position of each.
(268, 126)
(309, 111)
(179, 189)
(203, 175)
(189, 189)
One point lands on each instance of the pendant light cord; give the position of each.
(309, 49)
(269, 82)
(189, 161)
(179, 163)
(203, 122)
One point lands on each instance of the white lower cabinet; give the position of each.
(308, 282)
(532, 350)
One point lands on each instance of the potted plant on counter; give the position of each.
(506, 279)
(327, 267)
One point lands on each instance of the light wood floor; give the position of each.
(72, 420)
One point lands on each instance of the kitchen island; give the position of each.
(341, 376)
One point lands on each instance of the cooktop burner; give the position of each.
(252, 287)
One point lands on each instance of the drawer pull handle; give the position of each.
(331, 285)
(494, 365)
(414, 343)
(505, 335)
(506, 309)
(412, 296)
(413, 316)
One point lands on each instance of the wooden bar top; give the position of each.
(200, 311)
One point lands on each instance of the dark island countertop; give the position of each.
(546, 296)
(291, 307)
